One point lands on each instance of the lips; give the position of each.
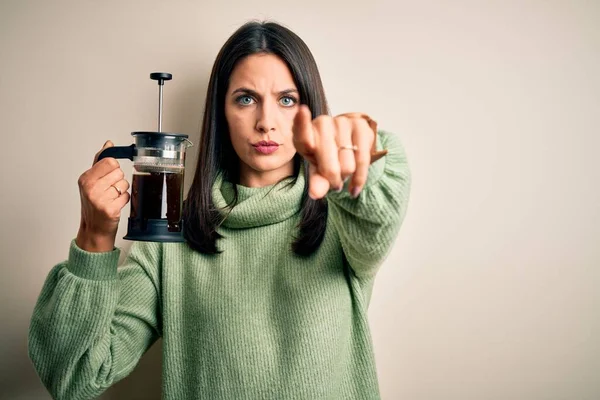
(266, 143)
(266, 146)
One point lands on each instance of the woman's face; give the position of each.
(260, 106)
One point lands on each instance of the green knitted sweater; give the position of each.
(254, 322)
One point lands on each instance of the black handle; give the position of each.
(119, 152)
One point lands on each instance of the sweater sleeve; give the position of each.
(368, 225)
(93, 321)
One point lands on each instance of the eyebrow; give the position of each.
(255, 93)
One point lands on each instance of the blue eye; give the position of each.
(244, 100)
(291, 101)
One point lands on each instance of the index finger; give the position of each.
(304, 139)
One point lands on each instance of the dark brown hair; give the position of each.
(217, 153)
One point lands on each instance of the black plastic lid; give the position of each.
(181, 135)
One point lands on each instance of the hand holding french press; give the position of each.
(156, 188)
(103, 191)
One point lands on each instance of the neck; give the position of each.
(253, 178)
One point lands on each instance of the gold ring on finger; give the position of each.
(353, 147)
(117, 189)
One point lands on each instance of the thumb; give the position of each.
(106, 145)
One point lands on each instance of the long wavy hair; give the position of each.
(216, 152)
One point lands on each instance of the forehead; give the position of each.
(262, 71)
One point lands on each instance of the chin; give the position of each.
(267, 165)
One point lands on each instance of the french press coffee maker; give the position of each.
(157, 185)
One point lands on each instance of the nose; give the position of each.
(266, 119)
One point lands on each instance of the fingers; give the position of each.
(122, 200)
(303, 135)
(103, 168)
(344, 138)
(106, 145)
(109, 208)
(318, 186)
(362, 137)
(116, 189)
(96, 183)
(319, 142)
(328, 163)
(111, 178)
(123, 185)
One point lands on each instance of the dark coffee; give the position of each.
(157, 195)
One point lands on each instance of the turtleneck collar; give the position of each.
(261, 205)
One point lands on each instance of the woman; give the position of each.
(287, 220)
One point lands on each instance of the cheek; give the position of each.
(233, 117)
(238, 124)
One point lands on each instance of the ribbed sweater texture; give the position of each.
(253, 322)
